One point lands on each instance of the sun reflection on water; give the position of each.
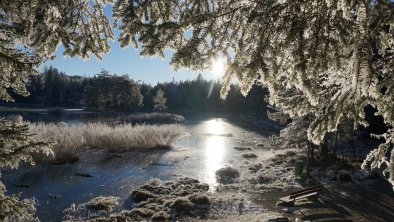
(214, 149)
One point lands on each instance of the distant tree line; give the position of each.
(204, 96)
(112, 92)
(54, 88)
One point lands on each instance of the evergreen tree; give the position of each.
(321, 58)
(16, 145)
(159, 101)
(106, 92)
(147, 94)
(325, 59)
(31, 31)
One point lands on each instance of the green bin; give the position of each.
(299, 167)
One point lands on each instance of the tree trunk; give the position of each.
(354, 149)
(323, 149)
(312, 153)
(341, 138)
(308, 160)
(335, 144)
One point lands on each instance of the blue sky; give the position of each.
(123, 61)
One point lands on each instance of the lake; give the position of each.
(207, 146)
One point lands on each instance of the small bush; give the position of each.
(140, 195)
(182, 205)
(200, 199)
(18, 119)
(291, 153)
(227, 175)
(103, 203)
(160, 216)
(242, 148)
(155, 182)
(142, 212)
(249, 155)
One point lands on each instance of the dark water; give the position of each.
(207, 146)
(71, 116)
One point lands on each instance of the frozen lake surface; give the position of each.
(207, 146)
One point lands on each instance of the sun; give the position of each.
(218, 67)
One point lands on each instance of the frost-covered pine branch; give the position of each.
(334, 57)
(17, 145)
(31, 31)
(326, 59)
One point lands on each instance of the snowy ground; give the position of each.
(250, 190)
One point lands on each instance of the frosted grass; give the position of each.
(156, 116)
(73, 139)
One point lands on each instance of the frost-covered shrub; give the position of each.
(103, 203)
(95, 208)
(200, 199)
(161, 216)
(155, 117)
(157, 201)
(18, 119)
(242, 148)
(139, 195)
(72, 139)
(182, 205)
(227, 175)
(155, 182)
(249, 155)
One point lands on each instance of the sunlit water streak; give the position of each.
(214, 149)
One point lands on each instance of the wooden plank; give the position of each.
(288, 199)
(307, 195)
(307, 192)
(306, 189)
(295, 196)
(304, 192)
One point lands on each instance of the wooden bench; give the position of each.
(310, 192)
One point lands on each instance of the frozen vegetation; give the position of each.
(101, 205)
(185, 199)
(188, 199)
(71, 140)
(155, 117)
(227, 175)
(261, 174)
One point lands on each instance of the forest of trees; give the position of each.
(53, 88)
(110, 92)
